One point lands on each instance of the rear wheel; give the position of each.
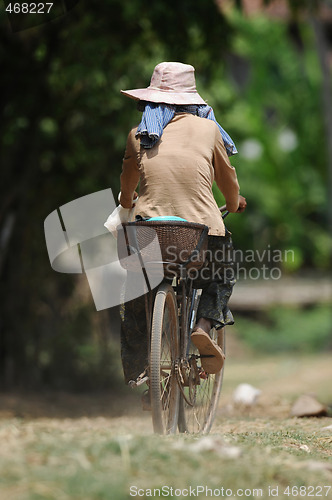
(164, 353)
(200, 391)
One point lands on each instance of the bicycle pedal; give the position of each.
(141, 379)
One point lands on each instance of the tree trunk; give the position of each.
(323, 56)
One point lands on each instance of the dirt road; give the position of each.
(71, 447)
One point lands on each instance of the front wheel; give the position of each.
(164, 353)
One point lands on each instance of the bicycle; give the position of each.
(183, 396)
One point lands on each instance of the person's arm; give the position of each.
(225, 175)
(130, 172)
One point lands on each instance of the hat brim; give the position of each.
(167, 96)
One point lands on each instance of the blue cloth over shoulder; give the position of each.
(156, 116)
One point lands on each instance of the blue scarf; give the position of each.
(156, 116)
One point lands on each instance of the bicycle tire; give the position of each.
(164, 352)
(204, 397)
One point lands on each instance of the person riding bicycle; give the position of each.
(175, 154)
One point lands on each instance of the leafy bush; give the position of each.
(287, 329)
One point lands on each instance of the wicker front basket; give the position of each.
(179, 243)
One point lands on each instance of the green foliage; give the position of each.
(276, 119)
(288, 329)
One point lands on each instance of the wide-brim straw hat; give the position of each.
(171, 83)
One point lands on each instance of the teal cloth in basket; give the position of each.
(168, 218)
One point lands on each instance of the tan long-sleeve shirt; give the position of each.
(176, 175)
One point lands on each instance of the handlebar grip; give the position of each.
(223, 209)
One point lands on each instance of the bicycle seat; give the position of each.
(167, 218)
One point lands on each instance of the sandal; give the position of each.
(212, 356)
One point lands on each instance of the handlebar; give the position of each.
(223, 209)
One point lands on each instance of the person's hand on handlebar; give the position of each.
(241, 208)
(242, 204)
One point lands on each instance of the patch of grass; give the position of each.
(86, 460)
(101, 458)
(288, 329)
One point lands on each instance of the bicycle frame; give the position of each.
(188, 295)
(183, 395)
